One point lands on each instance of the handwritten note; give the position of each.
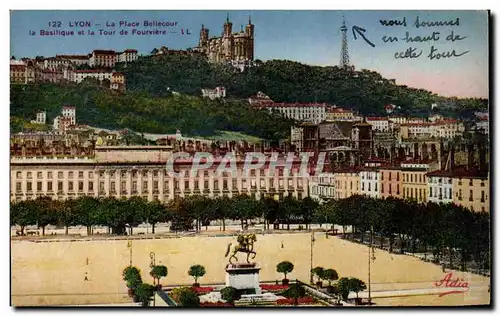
(435, 36)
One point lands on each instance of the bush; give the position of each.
(284, 267)
(197, 271)
(230, 294)
(144, 292)
(185, 296)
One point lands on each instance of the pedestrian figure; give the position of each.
(282, 246)
(86, 279)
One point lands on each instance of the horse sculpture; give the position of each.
(245, 245)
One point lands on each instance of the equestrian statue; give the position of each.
(245, 245)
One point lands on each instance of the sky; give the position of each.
(310, 37)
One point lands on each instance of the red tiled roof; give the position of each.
(69, 107)
(118, 74)
(130, 51)
(94, 71)
(339, 110)
(73, 56)
(104, 52)
(272, 104)
(459, 172)
(376, 119)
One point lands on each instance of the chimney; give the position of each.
(470, 156)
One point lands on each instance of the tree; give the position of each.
(196, 271)
(158, 272)
(307, 208)
(155, 212)
(132, 276)
(46, 212)
(356, 285)
(344, 287)
(23, 213)
(295, 291)
(144, 292)
(330, 275)
(188, 298)
(229, 294)
(319, 273)
(284, 267)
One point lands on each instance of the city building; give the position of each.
(415, 130)
(471, 189)
(446, 128)
(118, 81)
(391, 182)
(259, 98)
(347, 182)
(75, 60)
(483, 124)
(99, 74)
(334, 114)
(370, 179)
(128, 55)
(41, 117)
(322, 187)
(308, 112)
(415, 180)
(440, 186)
(230, 46)
(379, 123)
(140, 171)
(212, 94)
(102, 58)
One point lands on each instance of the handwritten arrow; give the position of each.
(360, 31)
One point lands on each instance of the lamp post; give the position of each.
(151, 265)
(310, 271)
(129, 246)
(371, 257)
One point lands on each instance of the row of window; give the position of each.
(112, 173)
(145, 184)
(419, 178)
(412, 193)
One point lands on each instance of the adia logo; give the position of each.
(457, 284)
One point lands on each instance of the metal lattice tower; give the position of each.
(344, 53)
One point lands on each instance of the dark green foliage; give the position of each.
(330, 275)
(158, 272)
(284, 267)
(196, 271)
(319, 273)
(289, 81)
(343, 286)
(141, 112)
(188, 298)
(230, 294)
(144, 292)
(295, 291)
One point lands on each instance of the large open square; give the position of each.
(53, 273)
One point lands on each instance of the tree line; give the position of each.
(417, 227)
(184, 214)
(444, 229)
(289, 81)
(145, 113)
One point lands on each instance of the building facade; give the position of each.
(309, 112)
(347, 182)
(440, 186)
(117, 172)
(391, 182)
(322, 187)
(415, 181)
(471, 190)
(103, 58)
(230, 46)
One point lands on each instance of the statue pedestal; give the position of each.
(243, 276)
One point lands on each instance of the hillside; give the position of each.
(288, 81)
(142, 112)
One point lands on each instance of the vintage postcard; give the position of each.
(238, 158)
